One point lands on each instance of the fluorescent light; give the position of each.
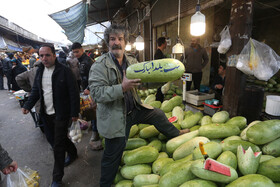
(139, 43)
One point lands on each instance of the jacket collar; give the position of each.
(110, 62)
(82, 57)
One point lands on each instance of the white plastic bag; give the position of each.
(258, 59)
(75, 132)
(225, 42)
(16, 179)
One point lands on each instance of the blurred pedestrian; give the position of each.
(32, 61)
(7, 70)
(17, 69)
(1, 74)
(73, 63)
(61, 57)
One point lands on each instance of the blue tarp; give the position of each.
(73, 21)
(8, 45)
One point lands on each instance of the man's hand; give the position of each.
(24, 111)
(128, 84)
(219, 86)
(75, 118)
(86, 92)
(10, 168)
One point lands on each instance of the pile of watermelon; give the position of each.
(250, 151)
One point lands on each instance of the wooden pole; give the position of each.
(240, 28)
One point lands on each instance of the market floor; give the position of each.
(29, 147)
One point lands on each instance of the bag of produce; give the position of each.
(258, 59)
(75, 132)
(225, 42)
(23, 178)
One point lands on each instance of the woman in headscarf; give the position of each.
(17, 68)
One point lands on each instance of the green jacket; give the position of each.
(106, 89)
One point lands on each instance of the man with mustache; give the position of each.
(195, 60)
(118, 105)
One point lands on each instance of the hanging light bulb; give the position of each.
(178, 48)
(198, 24)
(128, 47)
(139, 43)
(96, 52)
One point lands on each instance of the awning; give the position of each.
(73, 21)
(9, 45)
(103, 10)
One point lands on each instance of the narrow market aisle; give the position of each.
(29, 147)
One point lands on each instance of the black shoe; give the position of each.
(56, 184)
(94, 136)
(69, 160)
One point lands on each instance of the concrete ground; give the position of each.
(29, 147)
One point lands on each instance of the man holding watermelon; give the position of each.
(119, 106)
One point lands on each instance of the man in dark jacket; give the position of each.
(161, 46)
(1, 74)
(85, 63)
(55, 85)
(219, 82)
(7, 69)
(62, 58)
(195, 60)
(17, 69)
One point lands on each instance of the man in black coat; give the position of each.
(7, 69)
(85, 64)
(55, 85)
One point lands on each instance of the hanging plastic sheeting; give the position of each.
(73, 21)
(8, 45)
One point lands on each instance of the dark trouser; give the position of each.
(9, 79)
(196, 79)
(79, 84)
(159, 95)
(114, 147)
(1, 80)
(84, 83)
(62, 144)
(94, 125)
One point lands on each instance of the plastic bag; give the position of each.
(83, 124)
(23, 178)
(75, 132)
(225, 42)
(258, 59)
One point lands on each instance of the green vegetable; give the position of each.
(150, 99)
(170, 104)
(187, 148)
(239, 121)
(179, 113)
(206, 120)
(174, 143)
(213, 150)
(160, 163)
(228, 158)
(129, 172)
(124, 183)
(177, 176)
(197, 169)
(220, 117)
(198, 183)
(248, 162)
(191, 120)
(252, 180)
(133, 143)
(145, 179)
(149, 132)
(265, 158)
(216, 130)
(232, 145)
(163, 70)
(243, 133)
(271, 169)
(264, 132)
(156, 144)
(155, 104)
(141, 155)
(133, 131)
(272, 148)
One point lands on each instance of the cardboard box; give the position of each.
(197, 98)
